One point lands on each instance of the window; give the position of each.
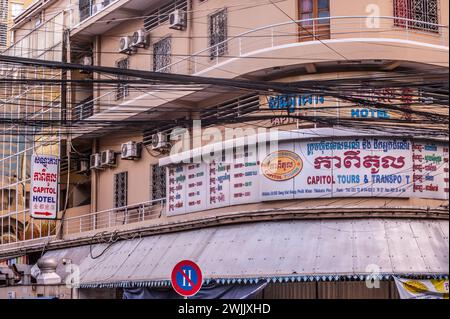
(315, 19)
(3, 34)
(3, 9)
(16, 9)
(122, 88)
(158, 182)
(423, 13)
(121, 190)
(234, 108)
(162, 55)
(84, 6)
(218, 33)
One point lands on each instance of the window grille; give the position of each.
(122, 88)
(162, 55)
(234, 108)
(158, 182)
(121, 190)
(161, 15)
(423, 12)
(3, 34)
(3, 9)
(218, 33)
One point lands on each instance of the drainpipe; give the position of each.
(94, 182)
(190, 26)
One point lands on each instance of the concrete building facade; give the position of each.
(311, 217)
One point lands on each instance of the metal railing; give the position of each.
(114, 217)
(340, 27)
(92, 7)
(287, 33)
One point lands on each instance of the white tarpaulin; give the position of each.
(422, 289)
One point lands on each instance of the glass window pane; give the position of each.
(307, 16)
(324, 14)
(324, 4)
(307, 5)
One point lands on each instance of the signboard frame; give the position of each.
(49, 213)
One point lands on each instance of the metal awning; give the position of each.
(301, 250)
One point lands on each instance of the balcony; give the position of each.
(112, 218)
(83, 110)
(18, 233)
(295, 44)
(323, 32)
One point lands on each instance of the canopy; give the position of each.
(279, 250)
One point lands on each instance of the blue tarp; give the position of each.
(208, 292)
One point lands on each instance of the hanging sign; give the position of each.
(44, 186)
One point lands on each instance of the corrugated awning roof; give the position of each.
(279, 250)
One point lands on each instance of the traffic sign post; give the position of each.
(187, 278)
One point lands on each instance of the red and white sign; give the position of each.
(44, 186)
(187, 278)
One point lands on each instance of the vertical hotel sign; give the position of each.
(44, 186)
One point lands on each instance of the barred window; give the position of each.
(423, 12)
(3, 34)
(158, 182)
(121, 190)
(162, 55)
(122, 88)
(3, 9)
(218, 33)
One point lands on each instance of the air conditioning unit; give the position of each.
(95, 161)
(130, 151)
(87, 61)
(108, 158)
(178, 20)
(125, 45)
(97, 8)
(159, 141)
(82, 166)
(140, 39)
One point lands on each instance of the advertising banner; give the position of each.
(333, 168)
(422, 289)
(44, 186)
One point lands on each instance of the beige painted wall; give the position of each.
(27, 292)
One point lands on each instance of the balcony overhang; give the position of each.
(115, 13)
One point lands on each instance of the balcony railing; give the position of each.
(287, 33)
(83, 110)
(281, 34)
(114, 217)
(14, 232)
(89, 9)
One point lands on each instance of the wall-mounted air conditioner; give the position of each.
(178, 20)
(159, 141)
(97, 8)
(125, 45)
(130, 151)
(108, 158)
(86, 61)
(140, 39)
(82, 166)
(95, 161)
